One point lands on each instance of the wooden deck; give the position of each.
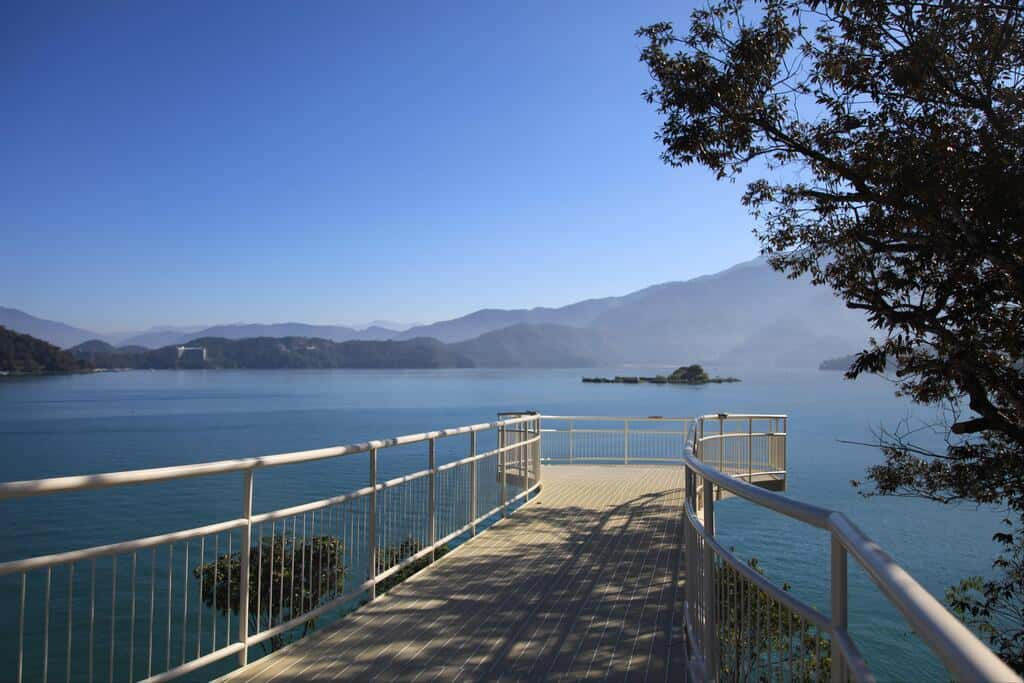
(579, 585)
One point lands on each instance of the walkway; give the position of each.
(579, 585)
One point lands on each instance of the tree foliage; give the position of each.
(889, 138)
(756, 632)
(288, 577)
(22, 354)
(391, 555)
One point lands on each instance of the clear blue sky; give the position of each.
(194, 162)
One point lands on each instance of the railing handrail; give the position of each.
(37, 487)
(615, 418)
(960, 650)
(516, 459)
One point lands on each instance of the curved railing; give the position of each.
(740, 626)
(140, 608)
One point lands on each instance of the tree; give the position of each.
(391, 555)
(690, 374)
(287, 578)
(758, 635)
(899, 130)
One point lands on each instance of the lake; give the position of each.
(114, 421)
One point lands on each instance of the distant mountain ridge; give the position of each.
(524, 346)
(55, 333)
(746, 315)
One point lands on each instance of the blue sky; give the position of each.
(189, 162)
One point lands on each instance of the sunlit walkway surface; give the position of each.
(580, 584)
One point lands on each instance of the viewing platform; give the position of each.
(579, 584)
(539, 547)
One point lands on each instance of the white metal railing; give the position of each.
(581, 439)
(740, 626)
(140, 609)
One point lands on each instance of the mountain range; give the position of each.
(747, 315)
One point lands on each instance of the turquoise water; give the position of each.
(97, 423)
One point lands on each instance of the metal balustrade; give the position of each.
(157, 608)
(740, 626)
(625, 440)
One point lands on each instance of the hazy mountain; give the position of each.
(390, 325)
(746, 315)
(538, 346)
(581, 314)
(337, 333)
(155, 339)
(736, 313)
(289, 352)
(50, 331)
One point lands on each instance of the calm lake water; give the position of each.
(106, 422)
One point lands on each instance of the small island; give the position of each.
(688, 374)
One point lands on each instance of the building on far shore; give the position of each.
(192, 353)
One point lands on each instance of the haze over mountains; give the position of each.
(747, 315)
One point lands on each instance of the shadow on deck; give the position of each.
(582, 584)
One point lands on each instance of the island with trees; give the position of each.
(687, 374)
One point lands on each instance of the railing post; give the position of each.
(572, 439)
(625, 445)
(699, 442)
(502, 460)
(750, 450)
(243, 605)
(537, 452)
(371, 533)
(710, 608)
(721, 443)
(432, 495)
(472, 483)
(839, 607)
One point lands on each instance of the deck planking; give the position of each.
(581, 584)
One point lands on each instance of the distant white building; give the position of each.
(193, 352)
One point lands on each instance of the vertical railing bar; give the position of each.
(46, 625)
(432, 495)
(302, 569)
(227, 598)
(243, 571)
(92, 614)
(572, 439)
(216, 592)
(71, 593)
(625, 445)
(170, 604)
(152, 609)
(21, 629)
(131, 620)
(280, 588)
(199, 599)
(371, 526)
(503, 464)
(710, 634)
(184, 608)
(270, 581)
(472, 483)
(291, 594)
(113, 614)
(839, 609)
